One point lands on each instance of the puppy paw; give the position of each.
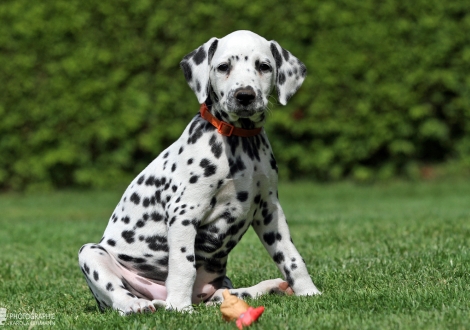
(313, 291)
(184, 309)
(136, 306)
(159, 303)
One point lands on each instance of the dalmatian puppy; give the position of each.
(168, 240)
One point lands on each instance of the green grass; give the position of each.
(392, 256)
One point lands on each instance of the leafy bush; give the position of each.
(92, 90)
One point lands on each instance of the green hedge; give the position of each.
(92, 91)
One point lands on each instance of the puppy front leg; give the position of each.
(274, 233)
(181, 265)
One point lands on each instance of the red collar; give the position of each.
(226, 128)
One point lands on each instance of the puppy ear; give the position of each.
(196, 68)
(290, 72)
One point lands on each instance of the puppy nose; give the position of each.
(245, 96)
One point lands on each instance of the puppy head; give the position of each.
(240, 70)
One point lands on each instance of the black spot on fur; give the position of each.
(87, 269)
(135, 198)
(173, 167)
(250, 147)
(276, 55)
(278, 257)
(213, 202)
(242, 196)
(193, 179)
(289, 278)
(245, 295)
(208, 242)
(272, 161)
(285, 54)
(196, 135)
(212, 49)
(233, 142)
(220, 254)
(236, 165)
(190, 258)
(96, 276)
(233, 230)
(111, 242)
(269, 238)
(128, 235)
(188, 73)
(141, 179)
(230, 245)
(125, 257)
(216, 147)
(150, 180)
(146, 202)
(109, 287)
(183, 249)
(281, 78)
(208, 166)
(157, 243)
(156, 216)
(200, 55)
(267, 219)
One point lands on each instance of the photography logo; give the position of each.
(3, 315)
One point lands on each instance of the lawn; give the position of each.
(390, 256)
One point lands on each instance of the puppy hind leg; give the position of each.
(274, 286)
(106, 282)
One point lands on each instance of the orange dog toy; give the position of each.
(233, 308)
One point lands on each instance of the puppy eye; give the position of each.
(223, 67)
(265, 67)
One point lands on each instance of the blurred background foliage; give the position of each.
(91, 91)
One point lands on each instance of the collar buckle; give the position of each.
(225, 128)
